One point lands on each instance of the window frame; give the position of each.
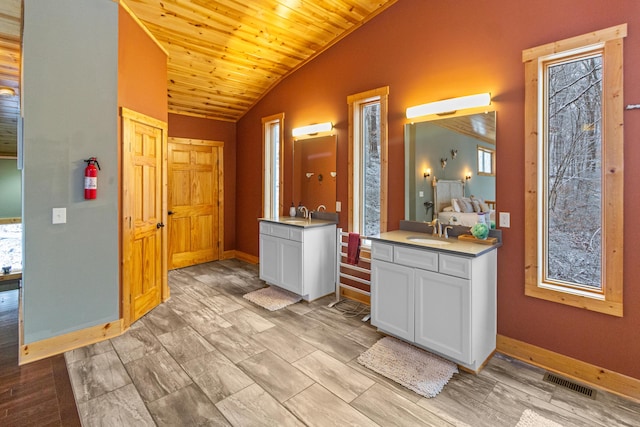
(608, 300)
(491, 152)
(355, 214)
(268, 210)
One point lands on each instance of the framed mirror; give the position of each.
(461, 148)
(314, 172)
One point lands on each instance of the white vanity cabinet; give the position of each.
(443, 302)
(392, 307)
(299, 259)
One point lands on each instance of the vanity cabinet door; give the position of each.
(392, 295)
(443, 312)
(290, 266)
(269, 258)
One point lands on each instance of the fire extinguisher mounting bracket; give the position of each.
(93, 160)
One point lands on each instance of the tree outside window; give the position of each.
(574, 182)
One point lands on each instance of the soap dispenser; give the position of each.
(292, 210)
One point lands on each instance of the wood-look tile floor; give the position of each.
(210, 357)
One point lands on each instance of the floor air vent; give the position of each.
(573, 386)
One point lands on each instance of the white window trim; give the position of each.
(267, 172)
(492, 153)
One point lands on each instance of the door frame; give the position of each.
(219, 171)
(127, 117)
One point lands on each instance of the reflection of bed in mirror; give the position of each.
(452, 207)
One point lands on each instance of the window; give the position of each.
(486, 161)
(368, 161)
(272, 131)
(574, 171)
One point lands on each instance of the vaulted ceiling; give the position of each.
(10, 30)
(224, 55)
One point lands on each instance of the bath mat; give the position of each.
(416, 369)
(272, 298)
(530, 418)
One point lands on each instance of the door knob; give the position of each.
(170, 213)
(159, 225)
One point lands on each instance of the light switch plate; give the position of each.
(505, 219)
(420, 193)
(338, 206)
(59, 216)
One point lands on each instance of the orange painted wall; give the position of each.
(426, 51)
(142, 70)
(215, 130)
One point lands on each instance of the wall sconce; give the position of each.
(309, 174)
(449, 105)
(312, 129)
(333, 174)
(467, 176)
(427, 173)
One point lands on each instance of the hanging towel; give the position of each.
(353, 248)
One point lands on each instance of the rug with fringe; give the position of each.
(272, 298)
(416, 369)
(530, 418)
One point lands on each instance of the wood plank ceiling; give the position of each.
(10, 31)
(224, 55)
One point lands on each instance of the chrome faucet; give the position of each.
(437, 231)
(304, 210)
(323, 207)
(446, 229)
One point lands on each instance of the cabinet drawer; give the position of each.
(295, 233)
(419, 258)
(382, 251)
(265, 227)
(455, 266)
(279, 231)
(283, 231)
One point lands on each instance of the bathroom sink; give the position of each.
(294, 221)
(426, 241)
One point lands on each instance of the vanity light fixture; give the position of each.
(427, 173)
(449, 105)
(312, 129)
(7, 91)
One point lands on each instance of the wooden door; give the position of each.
(144, 272)
(195, 202)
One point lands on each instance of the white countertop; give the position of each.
(298, 221)
(453, 245)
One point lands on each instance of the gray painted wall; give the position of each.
(10, 189)
(70, 109)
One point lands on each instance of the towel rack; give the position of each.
(356, 279)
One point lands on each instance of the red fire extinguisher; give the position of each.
(91, 178)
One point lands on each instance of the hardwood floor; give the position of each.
(37, 394)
